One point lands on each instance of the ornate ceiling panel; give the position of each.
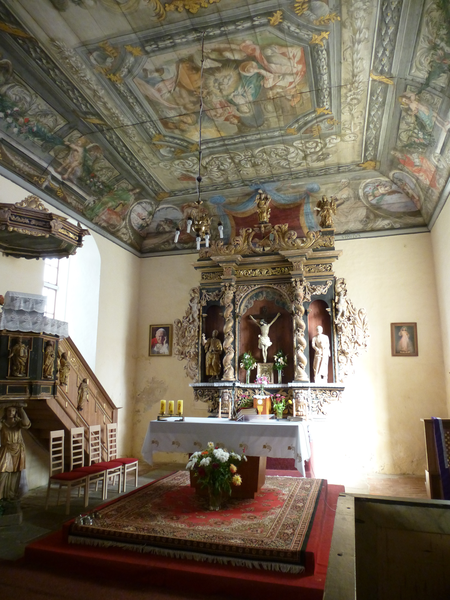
(100, 105)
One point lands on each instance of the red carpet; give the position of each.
(168, 518)
(55, 553)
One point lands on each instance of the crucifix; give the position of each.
(263, 338)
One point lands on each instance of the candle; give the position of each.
(163, 407)
(171, 407)
(180, 407)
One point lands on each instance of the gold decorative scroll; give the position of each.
(275, 239)
(352, 330)
(186, 335)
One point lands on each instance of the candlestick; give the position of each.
(180, 408)
(171, 407)
(162, 407)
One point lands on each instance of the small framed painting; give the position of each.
(160, 342)
(404, 339)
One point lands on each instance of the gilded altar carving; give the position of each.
(301, 403)
(275, 239)
(298, 310)
(207, 296)
(209, 396)
(186, 331)
(210, 276)
(322, 397)
(263, 272)
(228, 332)
(352, 330)
(318, 268)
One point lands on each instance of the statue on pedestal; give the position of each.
(321, 346)
(12, 451)
(213, 349)
(263, 338)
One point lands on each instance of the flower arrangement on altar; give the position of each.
(248, 362)
(279, 361)
(215, 468)
(279, 403)
(262, 380)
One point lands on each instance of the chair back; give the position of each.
(111, 440)
(95, 444)
(56, 452)
(76, 447)
(442, 456)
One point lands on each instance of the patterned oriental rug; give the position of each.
(168, 518)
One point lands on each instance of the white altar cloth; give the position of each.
(276, 439)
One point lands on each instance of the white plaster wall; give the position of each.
(441, 249)
(377, 427)
(77, 301)
(164, 297)
(118, 324)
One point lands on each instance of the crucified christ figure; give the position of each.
(263, 338)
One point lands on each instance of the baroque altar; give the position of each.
(270, 291)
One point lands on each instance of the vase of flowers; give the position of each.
(216, 470)
(278, 405)
(248, 362)
(262, 380)
(279, 363)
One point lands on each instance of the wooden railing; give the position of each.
(61, 410)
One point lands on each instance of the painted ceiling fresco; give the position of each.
(100, 112)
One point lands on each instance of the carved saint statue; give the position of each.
(263, 338)
(18, 357)
(213, 349)
(12, 451)
(327, 209)
(64, 368)
(262, 203)
(83, 394)
(49, 360)
(321, 346)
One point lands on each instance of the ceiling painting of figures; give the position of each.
(105, 105)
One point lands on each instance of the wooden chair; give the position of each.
(57, 476)
(128, 464)
(94, 473)
(112, 469)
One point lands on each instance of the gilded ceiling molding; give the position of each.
(388, 24)
(351, 328)
(186, 331)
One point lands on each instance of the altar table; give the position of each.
(269, 438)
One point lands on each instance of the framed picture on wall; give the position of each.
(404, 339)
(160, 342)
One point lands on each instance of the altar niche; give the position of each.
(319, 315)
(212, 321)
(280, 334)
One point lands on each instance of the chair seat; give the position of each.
(68, 476)
(108, 464)
(126, 461)
(90, 470)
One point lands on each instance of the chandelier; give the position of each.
(199, 221)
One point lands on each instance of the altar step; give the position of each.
(53, 552)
